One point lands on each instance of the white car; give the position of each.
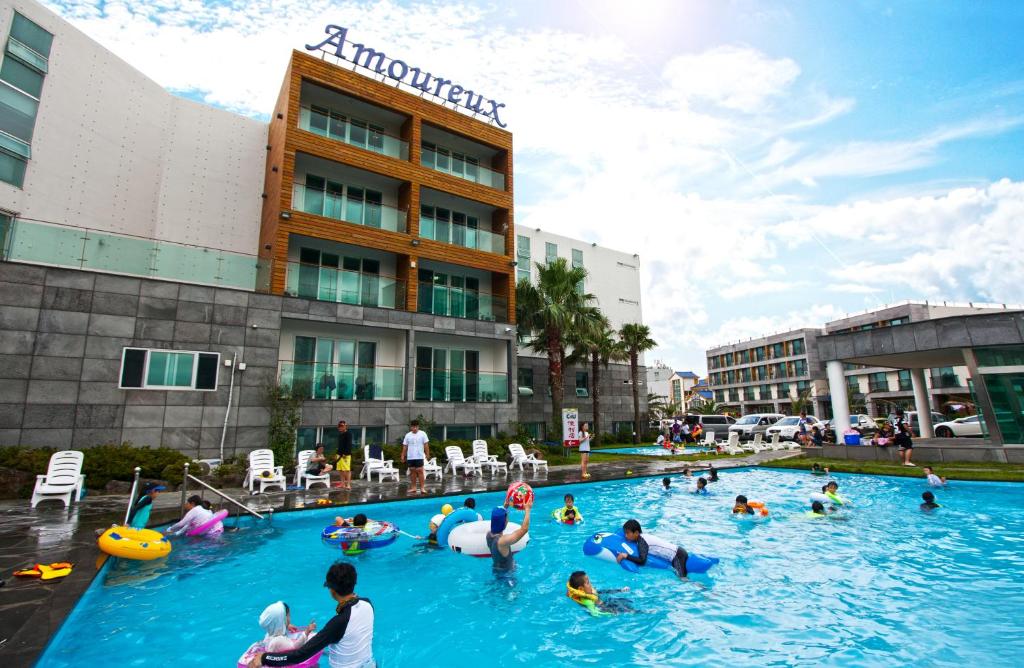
(754, 423)
(965, 426)
(788, 427)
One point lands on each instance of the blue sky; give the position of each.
(775, 164)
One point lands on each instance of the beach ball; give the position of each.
(446, 509)
(518, 495)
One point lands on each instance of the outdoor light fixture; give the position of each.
(415, 242)
(286, 215)
(512, 263)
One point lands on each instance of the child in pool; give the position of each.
(666, 484)
(929, 502)
(358, 522)
(741, 507)
(435, 524)
(817, 509)
(933, 480)
(579, 582)
(702, 486)
(281, 636)
(816, 469)
(569, 513)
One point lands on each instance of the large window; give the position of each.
(550, 252)
(307, 438)
(453, 295)
(24, 66)
(332, 199)
(148, 369)
(523, 268)
(582, 384)
(447, 160)
(453, 374)
(904, 380)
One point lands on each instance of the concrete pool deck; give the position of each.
(31, 611)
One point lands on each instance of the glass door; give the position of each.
(374, 204)
(309, 272)
(350, 280)
(333, 199)
(328, 289)
(366, 362)
(424, 364)
(323, 370)
(345, 356)
(314, 199)
(440, 294)
(439, 376)
(425, 291)
(457, 375)
(472, 375)
(354, 206)
(302, 365)
(371, 282)
(457, 297)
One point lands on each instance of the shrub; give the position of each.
(104, 463)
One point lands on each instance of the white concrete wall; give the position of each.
(113, 151)
(613, 276)
(658, 380)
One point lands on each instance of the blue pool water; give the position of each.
(889, 586)
(650, 450)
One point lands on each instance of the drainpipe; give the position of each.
(227, 411)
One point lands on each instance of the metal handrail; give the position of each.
(189, 476)
(131, 497)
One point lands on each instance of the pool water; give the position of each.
(889, 586)
(651, 451)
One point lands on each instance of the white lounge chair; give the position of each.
(733, 446)
(709, 440)
(63, 479)
(431, 468)
(519, 457)
(758, 445)
(457, 460)
(776, 442)
(484, 458)
(384, 468)
(300, 472)
(262, 471)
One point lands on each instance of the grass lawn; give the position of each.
(953, 471)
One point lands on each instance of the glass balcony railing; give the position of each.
(878, 386)
(945, 380)
(461, 386)
(461, 235)
(321, 202)
(461, 303)
(82, 248)
(443, 161)
(344, 286)
(343, 382)
(331, 124)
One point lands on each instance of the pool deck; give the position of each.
(31, 611)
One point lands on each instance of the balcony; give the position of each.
(945, 380)
(345, 207)
(344, 286)
(459, 230)
(878, 386)
(461, 166)
(461, 386)
(458, 302)
(332, 124)
(343, 382)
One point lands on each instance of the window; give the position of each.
(522, 258)
(800, 368)
(550, 252)
(453, 162)
(147, 369)
(582, 384)
(5, 225)
(31, 35)
(904, 380)
(459, 228)
(853, 384)
(577, 258)
(720, 396)
(25, 63)
(798, 347)
(525, 376)
(765, 392)
(878, 382)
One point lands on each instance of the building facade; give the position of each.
(613, 277)
(658, 381)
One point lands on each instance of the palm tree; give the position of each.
(656, 406)
(597, 341)
(706, 407)
(802, 402)
(549, 315)
(636, 339)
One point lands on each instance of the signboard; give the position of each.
(397, 70)
(571, 427)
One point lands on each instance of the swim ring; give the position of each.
(836, 499)
(452, 520)
(209, 526)
(353, 540)
(606, 545)
(131, 543)
(759, 507)
(258, 648)
(471, 538)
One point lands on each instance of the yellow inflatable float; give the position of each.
(130, 543)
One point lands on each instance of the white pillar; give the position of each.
(840, 401)
(921, 403)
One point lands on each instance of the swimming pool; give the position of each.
(650, 451)
(890, 586)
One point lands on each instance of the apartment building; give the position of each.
(166, 263)
(613, 277)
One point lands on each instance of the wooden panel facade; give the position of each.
(286, 139)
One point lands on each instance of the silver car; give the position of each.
(755, 423)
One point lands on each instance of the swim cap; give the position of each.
(499, 520)
(446, 509)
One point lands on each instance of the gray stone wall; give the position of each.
(62, 333)
(616, 393)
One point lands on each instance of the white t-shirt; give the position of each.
(414, 443)
(934, 480)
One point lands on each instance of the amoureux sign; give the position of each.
(375, 60)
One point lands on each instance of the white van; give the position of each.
(754, 423)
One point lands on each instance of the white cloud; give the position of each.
(735, 77)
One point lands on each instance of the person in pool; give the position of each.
(359, 521)
(817, 509)
(568, 514)
(701, 487)
(929, 502)
(933, 480)
(632, 531)
(471, 504)
(741, 507)
(144, 506)
(347, 638)
(712, 473)
(666, 484)
(583, 592)
(817, 469)
(281, 636)
(503, 560)
(197, 513)
(435, 524)
(687, 473)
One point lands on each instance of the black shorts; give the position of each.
(415, 463)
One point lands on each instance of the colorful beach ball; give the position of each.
(518, 495)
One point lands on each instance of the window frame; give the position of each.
(169, 388)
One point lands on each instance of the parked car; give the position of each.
(755, 423)
(937, 418)
(717, 423)
(865, 424)
(788, 427)
(965, 426)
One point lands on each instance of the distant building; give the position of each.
(658, 375)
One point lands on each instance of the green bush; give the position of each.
(104, 463)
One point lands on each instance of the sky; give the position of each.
(775, 164)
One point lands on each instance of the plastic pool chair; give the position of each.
(300, 472)
(484, 458)
(431, 468)
(457, 460)
(758, 445)
(262, 462)
(374, 462)
(733, 446)
(519, 457)
(776, 442)
(63, 479)
(709, 440)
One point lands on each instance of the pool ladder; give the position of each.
(184, 493)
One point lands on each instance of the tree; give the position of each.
(636, 339)
(597, 341)
(549, 315)
(802, 402)
(706, 407)
(656, 406)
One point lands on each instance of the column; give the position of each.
(921, 403)
(840, 401)
(982, 397)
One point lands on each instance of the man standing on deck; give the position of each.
(345, 455)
